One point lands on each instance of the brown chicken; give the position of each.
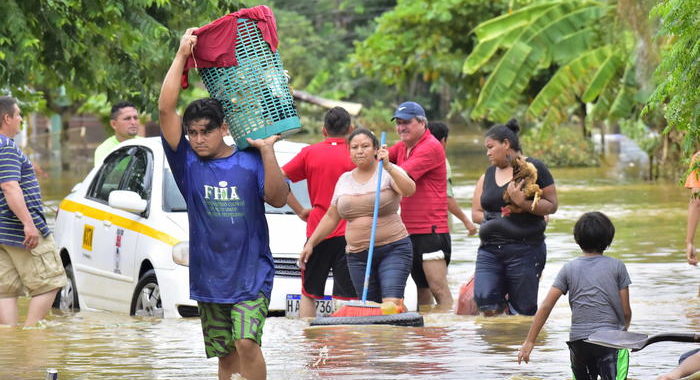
(526, 172)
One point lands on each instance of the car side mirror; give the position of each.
(127, 201)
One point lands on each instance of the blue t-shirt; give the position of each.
(15, 166)
(230, 259)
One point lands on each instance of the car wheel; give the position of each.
(146, 301)
(67, 297)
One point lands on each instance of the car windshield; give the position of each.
(174, 202)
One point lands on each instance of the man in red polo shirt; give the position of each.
(424, 213)
(321, 164)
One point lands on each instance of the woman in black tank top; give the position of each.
(512, 252)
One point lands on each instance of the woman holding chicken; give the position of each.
(512, 253)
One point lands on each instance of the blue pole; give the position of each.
(375, 215)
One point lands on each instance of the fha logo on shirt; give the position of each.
(222, 192)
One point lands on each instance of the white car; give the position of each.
(122, 231)
(123, 238)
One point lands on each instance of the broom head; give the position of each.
(358, 309)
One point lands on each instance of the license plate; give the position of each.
(324, 306)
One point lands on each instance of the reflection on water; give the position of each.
(363, 352)
(650, 222)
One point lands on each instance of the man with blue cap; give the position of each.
(421, 155)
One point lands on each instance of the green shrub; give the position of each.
(562, 147)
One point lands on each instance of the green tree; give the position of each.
(417, 49)
(57, 54)
(678, 74)
(570, 45)
(318, 36)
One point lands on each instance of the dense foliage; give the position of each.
(555, 62)
(678, 75)
(565, 44)
(61, 55)
(63, 52)
(418, 48)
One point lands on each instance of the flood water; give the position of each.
(650, 223)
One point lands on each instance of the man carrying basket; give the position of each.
(231, 267)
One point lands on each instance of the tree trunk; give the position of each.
(413, 86)
(582, 115)
(602, 138)
(664, 151)
(352, 108)
(61, 105)
(445, 100)
(66, 115)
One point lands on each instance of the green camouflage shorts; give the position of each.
(224, 323)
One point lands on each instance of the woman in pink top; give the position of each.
(353, 200)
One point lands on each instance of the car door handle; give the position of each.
(106, 223)
(78, 214)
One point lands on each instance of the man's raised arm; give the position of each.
(170, 123)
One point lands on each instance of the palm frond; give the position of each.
(568, 83)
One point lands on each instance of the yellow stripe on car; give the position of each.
(91, 212)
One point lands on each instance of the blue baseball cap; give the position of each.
(408, 110)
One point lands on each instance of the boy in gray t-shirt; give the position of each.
(598, 288)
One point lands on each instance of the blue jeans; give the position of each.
(391, 265)
(513, 270)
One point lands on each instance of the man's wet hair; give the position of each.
(117, 108)
(208, 109)
(366, 132)
(594, 232)
(439, 129)
(337, 122)
(7, 106)
(509, 132)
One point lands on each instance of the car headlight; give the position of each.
(181, 253)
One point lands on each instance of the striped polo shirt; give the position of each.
(15, 166)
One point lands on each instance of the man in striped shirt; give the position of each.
(29, 261)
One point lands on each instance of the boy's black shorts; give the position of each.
(330, 253)
(588, 361)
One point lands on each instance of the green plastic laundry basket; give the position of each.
(254, 94)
